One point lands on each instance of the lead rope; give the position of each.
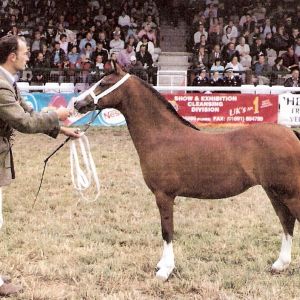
(83, 179)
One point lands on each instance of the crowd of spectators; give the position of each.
(71, 40)
(257, 41)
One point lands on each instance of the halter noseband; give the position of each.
(95, 97)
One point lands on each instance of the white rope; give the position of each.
(83, 178)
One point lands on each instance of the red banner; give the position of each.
(225, 108)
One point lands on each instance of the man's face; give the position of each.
(21, 58)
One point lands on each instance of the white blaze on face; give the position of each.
(284, 258)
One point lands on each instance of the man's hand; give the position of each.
(71, 132)
(63, 113)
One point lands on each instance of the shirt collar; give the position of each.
(11, 78)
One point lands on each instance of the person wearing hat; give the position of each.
(229, 79)
(201, 78)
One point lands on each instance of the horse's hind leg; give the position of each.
(167, 263)
(287, 220)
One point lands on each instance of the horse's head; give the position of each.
(101, 95)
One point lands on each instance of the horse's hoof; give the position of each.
(279, 267)
(164, 273)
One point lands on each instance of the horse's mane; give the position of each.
(167, 104)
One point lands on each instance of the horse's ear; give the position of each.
(118, 69)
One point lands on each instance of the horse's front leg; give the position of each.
(167, 263)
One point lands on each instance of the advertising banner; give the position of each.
(225, 108)
(289, 113)
(41, 101)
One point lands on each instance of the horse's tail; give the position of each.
(297, 134)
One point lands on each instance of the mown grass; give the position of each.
(109, 249)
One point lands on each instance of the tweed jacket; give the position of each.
(16, 114)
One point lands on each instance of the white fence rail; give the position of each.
(244, 89)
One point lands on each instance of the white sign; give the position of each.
(289, 109)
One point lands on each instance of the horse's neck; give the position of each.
(148, 117)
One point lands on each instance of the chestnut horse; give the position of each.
(177, 159)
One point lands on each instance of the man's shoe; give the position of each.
(5, 278)
(8, 289)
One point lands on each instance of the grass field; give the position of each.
(109, 249)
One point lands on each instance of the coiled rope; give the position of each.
(83, 169)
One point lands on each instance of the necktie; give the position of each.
(16, 88)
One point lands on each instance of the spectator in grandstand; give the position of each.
(88, 39)
(124, 55)
(261, 71)
(244, 53)
(101, 17)
(280, 39)
(226, 38)
(40, 70)
(73, 57)
(294, 80)
(147, 62)
(71, 36)
(132, 29)
(230, 79)
(116, 44)
(46, 53)
(269, 41)
(200, 59)
(229, 51)
(101, 37)
(259, 12)
(215, 35)
(61, 20)
(249, 23)
(267, 27)
(26, 24)
(217, 66)
(290, 59)
(236, 66)
(58, 56)
(85, 67)
(254, 35)
(149, 22)
(124, 20)
(137, 13)
(297, 46)
(98, 69)
(100, 51)
(113, 56)
(257, 49)
(133, 41)
(64, 44)
(215, 79)
(197, 34)
(202, 43)
(136, 68)
(150, 8)
(233, 32)
(149, 45)
(201, 78)
(37, 42)
(87, 51)
(215, 54)
(149, 32)
(294, 36)
(278, 71)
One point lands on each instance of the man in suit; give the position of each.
(15, 114)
